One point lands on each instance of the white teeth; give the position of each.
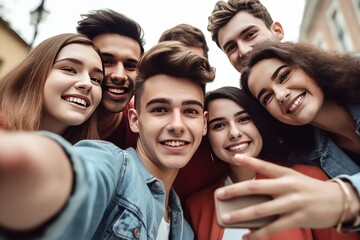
(239, 147)
(296, 103)
(76, 100)
(116, 90)
(174, 143)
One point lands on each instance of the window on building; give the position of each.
(340, 30)
(356, 4)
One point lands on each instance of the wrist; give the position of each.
(354, 208)
(350, 216)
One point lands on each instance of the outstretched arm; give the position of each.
(35, 180)
(299, 201)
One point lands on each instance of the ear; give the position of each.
(133, 120)
(206, 116)
(277, 30)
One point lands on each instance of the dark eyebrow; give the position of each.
(132, 60)
(222, 118)
(158, 100)
(106, 54)
(110, 55)
(192, 102)
(239, 113)
(263, 90)
(241, 33)
(277, 71)
(168, 101)
(216, 120)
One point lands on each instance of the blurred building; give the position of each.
(13, 49)
(332, 25)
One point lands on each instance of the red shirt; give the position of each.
(122, 136)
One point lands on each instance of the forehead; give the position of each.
(173, 88)
(238, 23)
(223, 107)
(79, 51)
(262, 72)
(118, 44)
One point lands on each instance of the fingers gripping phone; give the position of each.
(222, 206)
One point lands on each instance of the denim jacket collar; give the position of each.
(178, 223)
(333, 160)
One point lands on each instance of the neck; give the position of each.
(337, 120)
(52, 126)
(239, 173)
(108, 121)
(334, 118)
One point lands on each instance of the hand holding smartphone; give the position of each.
(222, 206)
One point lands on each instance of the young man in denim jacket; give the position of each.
(52, 190)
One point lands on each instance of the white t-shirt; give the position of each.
(164, 230)
(233, 233)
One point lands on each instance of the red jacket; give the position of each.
(200, 212)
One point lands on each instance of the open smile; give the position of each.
(84, 102)
(238, 147)
(116, 90)
(296, 103)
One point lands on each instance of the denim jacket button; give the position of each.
(137, 232)
(176, 220)
(157, 184)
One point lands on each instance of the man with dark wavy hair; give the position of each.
(120, 41)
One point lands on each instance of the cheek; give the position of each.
(233, 58)
(97, 95)
(216, 141)
(259, 145)
(274, 110)
(132, 76)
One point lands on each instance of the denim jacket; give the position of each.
(114, 195)
(333, 160)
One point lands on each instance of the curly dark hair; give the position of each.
(338, 75)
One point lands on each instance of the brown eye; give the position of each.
(266, 99)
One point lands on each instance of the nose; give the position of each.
(84, 84)
(244, 49)
(235, 132)
(281, 94)
(176, 125)
(119, 74)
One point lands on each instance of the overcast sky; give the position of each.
(155, 16)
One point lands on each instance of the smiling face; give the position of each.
(171, 121)
(72, 90)
(287, 92)
(231, 130)
(120, 56)
(244, 31)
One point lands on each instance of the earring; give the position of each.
(212, 157)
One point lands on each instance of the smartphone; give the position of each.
(222, 206)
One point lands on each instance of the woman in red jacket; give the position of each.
(235, 122)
